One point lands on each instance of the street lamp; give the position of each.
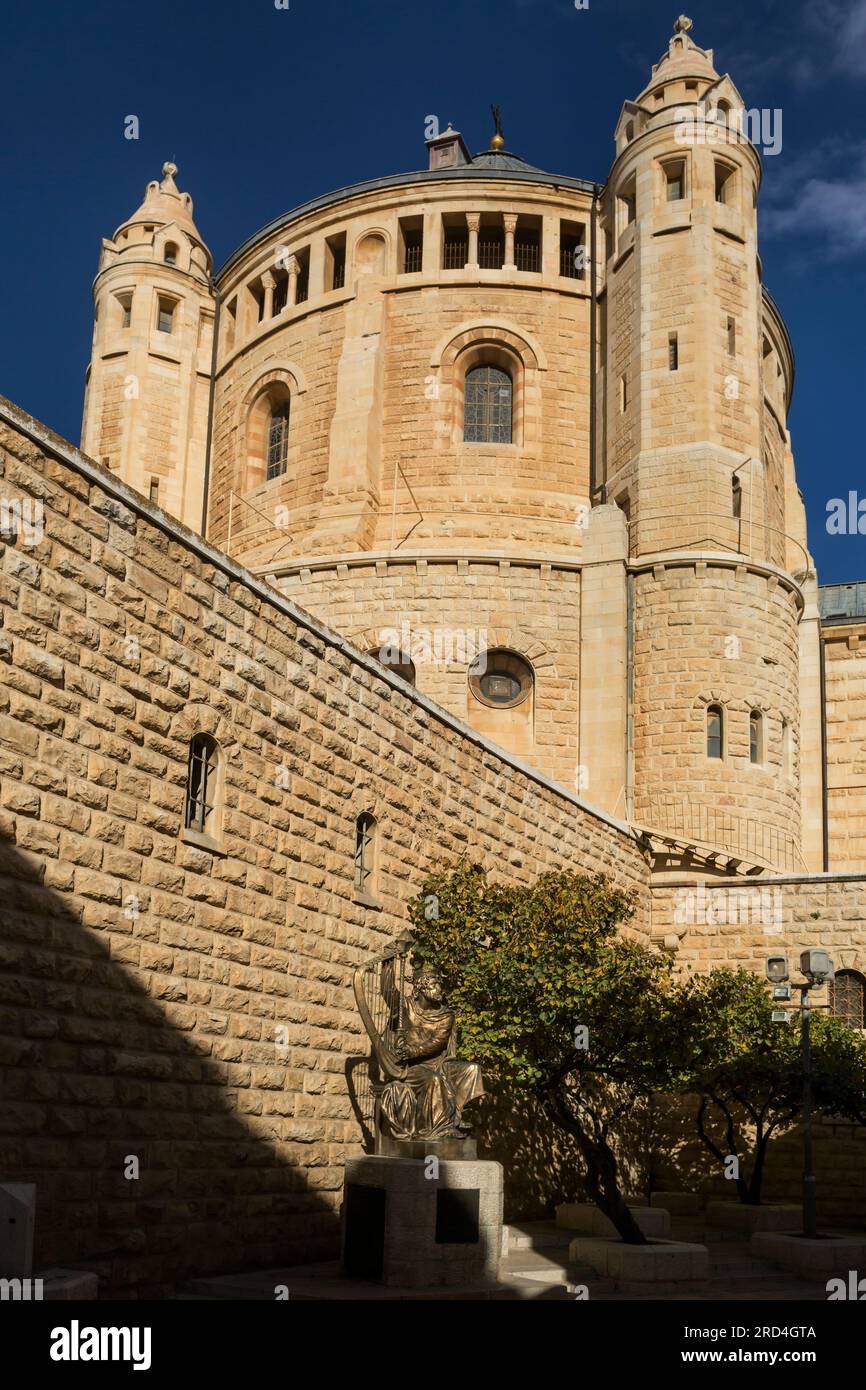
(817, 968)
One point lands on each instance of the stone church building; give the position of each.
(456, 514)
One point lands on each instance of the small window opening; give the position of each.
(365, 853)
(165, 319)
(715, 732)
(756, 737)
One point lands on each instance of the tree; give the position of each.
(748, 1068)
(549, 997)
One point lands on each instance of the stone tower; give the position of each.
(148, 384)
(696, 376)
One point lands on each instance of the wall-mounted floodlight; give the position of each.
(817, 967)
(777, 969)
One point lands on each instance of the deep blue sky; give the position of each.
(262, 108)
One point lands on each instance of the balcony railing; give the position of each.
(713, 829)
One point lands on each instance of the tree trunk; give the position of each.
(602, 1180)
(757, 1178)
(739, 1181)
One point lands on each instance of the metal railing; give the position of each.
(693, 529)
(735, 837)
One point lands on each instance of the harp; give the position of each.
(379, 990)
(380, 993)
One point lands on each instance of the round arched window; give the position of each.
(398, 662)
(500, 678)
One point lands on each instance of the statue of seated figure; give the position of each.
(426, 1087)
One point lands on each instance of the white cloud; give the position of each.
(821, 199)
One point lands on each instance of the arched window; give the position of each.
(278, 440)
(487, 411)
(202, 787)
(500, 678)
(395, 660)
(848, 998)
(169, 255)
(715, 732)
(756, 737)
(365, 854)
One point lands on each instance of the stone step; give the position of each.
(535, 1235)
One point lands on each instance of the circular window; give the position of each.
(500, 678)
(398, 662)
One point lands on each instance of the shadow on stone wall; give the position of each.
(94, 1070)
(543, 1166)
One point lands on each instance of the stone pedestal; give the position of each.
(422, 1222)
(743, 1219)
(586, 1218)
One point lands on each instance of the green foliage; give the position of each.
(748, 1069)
(525, 967)
(549, 997)
(838, 1069)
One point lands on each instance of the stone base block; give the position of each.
(420, 1223)
(636, 1268)
(679, 1203)
(735, 1216)
(835, 1255)
(427, 1148)
(586, 1218)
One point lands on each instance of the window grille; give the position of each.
(455, 251)
(414, 252)
(572, 257)
(487, 406)
(202, 781)
(491, 253)
(365, 843)
(527, 252)
(278, 441)
(848, 998)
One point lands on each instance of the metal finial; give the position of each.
(498, 140)
(683, 25)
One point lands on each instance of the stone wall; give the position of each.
(446, 612)
(845, 665)
(187, 1007)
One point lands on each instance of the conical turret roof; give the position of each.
(683, 59)
(164, 203)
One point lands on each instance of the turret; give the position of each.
(146, 404)
(696, 454)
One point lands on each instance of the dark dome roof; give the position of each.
(487, 164)
(502, 159)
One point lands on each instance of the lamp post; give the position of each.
(817, 967)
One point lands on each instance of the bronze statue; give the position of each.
(423, 1087)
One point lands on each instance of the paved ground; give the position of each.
(537, 1267)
